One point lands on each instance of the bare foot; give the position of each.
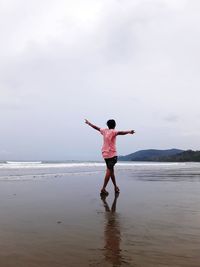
(104, 192)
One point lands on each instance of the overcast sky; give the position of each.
(63, 61)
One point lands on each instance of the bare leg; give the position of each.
(113, 177)
(106, 179)
(114, 181)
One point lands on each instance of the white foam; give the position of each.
(41, 165)
(23, 162)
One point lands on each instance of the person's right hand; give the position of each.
(86, 121)
(132, 132)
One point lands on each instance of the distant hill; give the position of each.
(151, 155)
(185, 156)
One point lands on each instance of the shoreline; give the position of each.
(63, 222)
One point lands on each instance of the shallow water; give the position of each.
(60, 220)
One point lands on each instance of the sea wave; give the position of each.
(45, 164)
(23, 162)
(41, 164)
(20, 170)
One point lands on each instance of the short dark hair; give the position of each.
(111, 124)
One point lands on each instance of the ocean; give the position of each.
(24, 170)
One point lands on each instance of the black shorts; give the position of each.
(110, 162)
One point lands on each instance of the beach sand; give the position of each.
(62, 221)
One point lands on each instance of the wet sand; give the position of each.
(62, 221)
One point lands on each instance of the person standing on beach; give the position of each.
(109, 151)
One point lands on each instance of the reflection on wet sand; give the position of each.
(112, 236)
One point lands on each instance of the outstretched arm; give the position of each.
(92, 125)
(125, 132)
